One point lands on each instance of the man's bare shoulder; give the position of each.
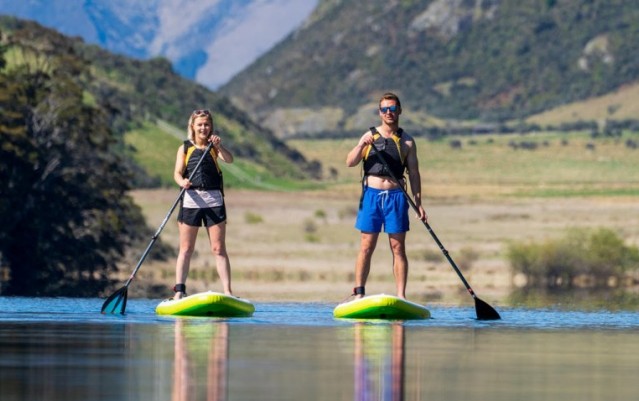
(407, 138)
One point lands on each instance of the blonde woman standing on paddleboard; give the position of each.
(203, 200)
(383, 203)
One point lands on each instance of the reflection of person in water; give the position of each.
(379, 362)
(187, 379)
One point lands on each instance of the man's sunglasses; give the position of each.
(385, 110)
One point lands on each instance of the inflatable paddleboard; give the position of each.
(206, 304)
(381, 307)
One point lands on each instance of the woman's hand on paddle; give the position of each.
(222, 152)
(215, 139)
(186, 183)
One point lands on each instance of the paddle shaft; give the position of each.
(166, 219)
(428, 227)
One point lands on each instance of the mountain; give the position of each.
(480, 61)
(149, 102)
(208, 40)
(468, 63)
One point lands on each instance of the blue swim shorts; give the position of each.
(387, 208)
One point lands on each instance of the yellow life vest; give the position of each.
(391, 150)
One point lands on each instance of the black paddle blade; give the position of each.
(485, 311)
(116, 303)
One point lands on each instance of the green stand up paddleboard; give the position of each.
(381, 307)
(209, 303)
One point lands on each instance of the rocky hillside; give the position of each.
(449, 60)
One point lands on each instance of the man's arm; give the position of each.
(357, 153)
(414, 177)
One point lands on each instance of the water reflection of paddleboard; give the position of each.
(381, 306)
(206, 304)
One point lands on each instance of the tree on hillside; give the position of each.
(65, 218)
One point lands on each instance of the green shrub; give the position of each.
(320, 214)
(310, 231)
(313, 238)
(596, 255)
(252, 218)
(309, 226)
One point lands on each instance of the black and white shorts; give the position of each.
(202, 208)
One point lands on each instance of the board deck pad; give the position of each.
(381, 306)
(213, 304)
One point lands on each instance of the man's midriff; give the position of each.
(379, 182)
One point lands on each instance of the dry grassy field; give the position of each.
(302, 246)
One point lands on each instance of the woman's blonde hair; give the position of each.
(198, 113)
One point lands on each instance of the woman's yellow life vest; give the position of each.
(209, 174)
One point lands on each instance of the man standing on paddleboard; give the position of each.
(387, 152)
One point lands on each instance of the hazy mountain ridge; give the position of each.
(208, 41)
(476, 60)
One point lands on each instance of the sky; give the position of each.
(241, 42)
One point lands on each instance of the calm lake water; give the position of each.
(64, 349)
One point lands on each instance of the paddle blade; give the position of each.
(116, 303)
(485, 311)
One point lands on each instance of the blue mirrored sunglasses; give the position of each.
(392, 109)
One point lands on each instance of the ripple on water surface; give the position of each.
(311, 314)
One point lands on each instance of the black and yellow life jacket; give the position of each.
(391, 151)
(208, 175)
